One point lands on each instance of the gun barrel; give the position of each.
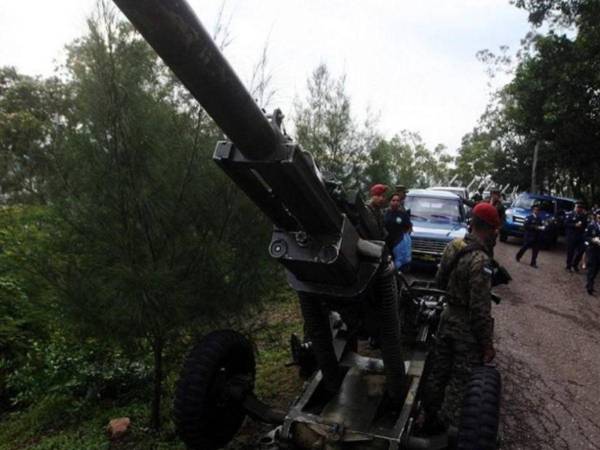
(173, 30)
(313, 239)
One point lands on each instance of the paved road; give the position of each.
(548, 343)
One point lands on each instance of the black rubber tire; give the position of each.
(503, 237)
(202, 419)
(480, 416)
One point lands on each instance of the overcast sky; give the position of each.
(413, 61)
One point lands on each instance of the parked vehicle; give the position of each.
(514, 222)
(563, 206)
(437, 217)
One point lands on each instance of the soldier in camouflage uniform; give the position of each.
(466, 326)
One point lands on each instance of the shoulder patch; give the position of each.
(459, 244)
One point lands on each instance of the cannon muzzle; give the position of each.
(176, 34)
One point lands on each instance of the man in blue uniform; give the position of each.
(592, 239)
(533, 235)
(398, 225)
(575, 225)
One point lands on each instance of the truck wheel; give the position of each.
(503, 237)
(481, 411)
(206, 417)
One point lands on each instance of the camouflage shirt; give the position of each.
(378, 224)
(468, 315)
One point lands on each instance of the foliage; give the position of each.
(49, 411)
(358, 155)
(148, 227)
(556, 12)
(475, 156)
(60, 422)
(142, 236)
(552, 102)
(406, 160)
(26, 299)
(325, 127)
(88, 370)
(28, 122)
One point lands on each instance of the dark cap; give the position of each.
(401, 188)
(495, 191)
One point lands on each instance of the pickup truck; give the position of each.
(438, 217)
(552, 210)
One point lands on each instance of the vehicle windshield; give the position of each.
(527, 202)
(565, 205)
(433, 209)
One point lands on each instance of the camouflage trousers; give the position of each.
(450, 367)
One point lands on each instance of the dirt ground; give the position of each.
(548, 344)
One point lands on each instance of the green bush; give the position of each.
(49, 412)
(86, 372)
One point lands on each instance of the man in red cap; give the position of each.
(376, 205)
(465, 338)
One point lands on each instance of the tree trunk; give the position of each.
(534, 167)
(157, 350)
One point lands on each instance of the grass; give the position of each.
(275, 382)
(62, 423)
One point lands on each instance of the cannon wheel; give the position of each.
(206, 417)
(481, 411)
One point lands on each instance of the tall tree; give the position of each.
(155, 238)
(325, 127)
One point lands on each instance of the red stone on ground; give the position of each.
(117, 428)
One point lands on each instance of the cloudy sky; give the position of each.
(413, 62)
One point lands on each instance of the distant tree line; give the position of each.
(552, 102)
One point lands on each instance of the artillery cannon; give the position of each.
(330, 245)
